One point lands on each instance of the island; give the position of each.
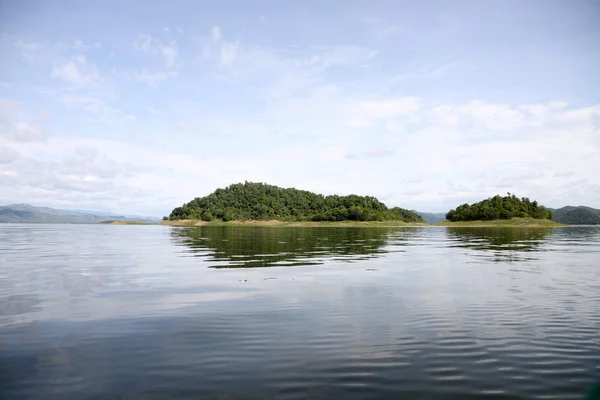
(122, 222)
(499, 210)
(264, 204)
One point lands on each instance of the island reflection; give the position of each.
(249, 247)
(502, 238)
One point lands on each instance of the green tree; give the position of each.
(499, 207)
(258, 201)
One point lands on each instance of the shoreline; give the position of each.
(508, 223)
(512, 223)
(120, 222)
(298, 224)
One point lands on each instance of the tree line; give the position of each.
(498, 207)
(260, 201)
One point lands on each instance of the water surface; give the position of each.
(95, 311)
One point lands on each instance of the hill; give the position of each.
(499, 207)
(580, 215)
(432, 218)
(259, 201)
(25, 213)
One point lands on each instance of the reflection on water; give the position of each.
(381, 313)
(503, 239)
(250, 247)
(502, 243)
(239, 246)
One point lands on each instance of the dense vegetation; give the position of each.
(259, 201)
(576, 215)
(499, 207)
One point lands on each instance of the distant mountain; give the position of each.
(26, 213)
(432, 218)
(580, 215)
(108, 214)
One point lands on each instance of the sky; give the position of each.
(138, 106)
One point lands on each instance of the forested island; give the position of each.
(500, 208)
(260, 201)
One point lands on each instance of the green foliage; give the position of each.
(499, 207)
(259, 201)
(576, 215)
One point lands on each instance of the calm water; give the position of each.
(153, 312)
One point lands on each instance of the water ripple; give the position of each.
(427, 313)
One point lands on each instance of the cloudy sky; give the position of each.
(138, 106)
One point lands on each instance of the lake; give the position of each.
(154, 312)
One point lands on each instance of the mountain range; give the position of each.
(580, 215)
(432, 218)
(25, 213)
(15, 213)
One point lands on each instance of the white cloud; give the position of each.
(480, 118)
(228, 53)
(12, 128)
(151, 78)
(27, 132)
(151, 46)
(394, 126)
(379, 153)
(424, 71)
(381, 109)
(8, 155)
(532, 155)
(215, 33)
(30, 52)
(386, 31)
(329, 112)
(65, 62)
(342, 55)
(225, 52)
(80, 46)
(96, 108)
(77, 72)
(78, 171)
(155, 112)
(169, 52)
(432, 166)
(166, 52)
(143, 43)
(254, 59)
(492, 116)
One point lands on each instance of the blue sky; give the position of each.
(141, 106)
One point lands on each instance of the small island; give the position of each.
(263, 204)
(506, 210)
(122, 222)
